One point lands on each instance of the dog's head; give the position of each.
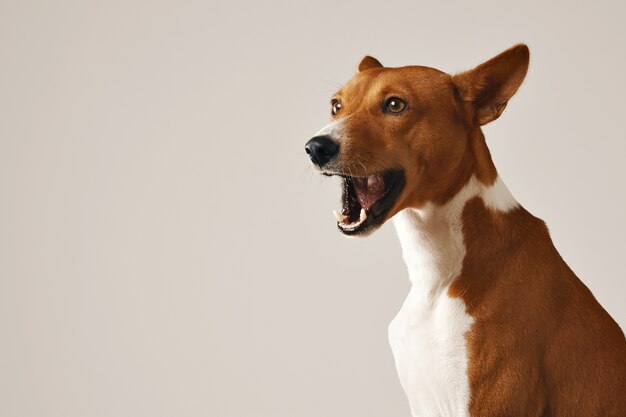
(403, 137)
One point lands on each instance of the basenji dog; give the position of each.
(495, 323)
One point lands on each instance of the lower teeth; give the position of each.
(343, 219)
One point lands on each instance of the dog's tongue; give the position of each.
(369, 190)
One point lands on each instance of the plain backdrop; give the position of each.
(165, 249)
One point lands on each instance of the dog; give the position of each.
(495, 323)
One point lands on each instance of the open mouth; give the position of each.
(367, 200)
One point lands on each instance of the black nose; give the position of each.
(321, 149)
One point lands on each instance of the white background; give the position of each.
(165, 249)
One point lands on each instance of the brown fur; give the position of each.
(541, 344)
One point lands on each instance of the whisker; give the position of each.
(364, 168)
(335, 84)
(356, 169)
(306, 172)
(350, 170)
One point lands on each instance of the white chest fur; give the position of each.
(428, 344)
(427, 336)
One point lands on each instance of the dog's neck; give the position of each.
(432, 236)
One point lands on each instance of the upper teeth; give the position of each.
(340, 217)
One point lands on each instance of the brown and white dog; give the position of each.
(495, 324)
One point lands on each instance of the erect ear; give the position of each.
(490, 85)
(368, 62)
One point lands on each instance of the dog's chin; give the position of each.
(367, 201)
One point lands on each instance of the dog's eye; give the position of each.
(335, 106)
(395, 105)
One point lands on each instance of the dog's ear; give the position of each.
(490, 85)
(368, 62)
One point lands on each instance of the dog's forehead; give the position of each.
(382, 81)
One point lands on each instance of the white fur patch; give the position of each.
(333, 129)
(427, 339)
(498, 197)
(427, 336)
